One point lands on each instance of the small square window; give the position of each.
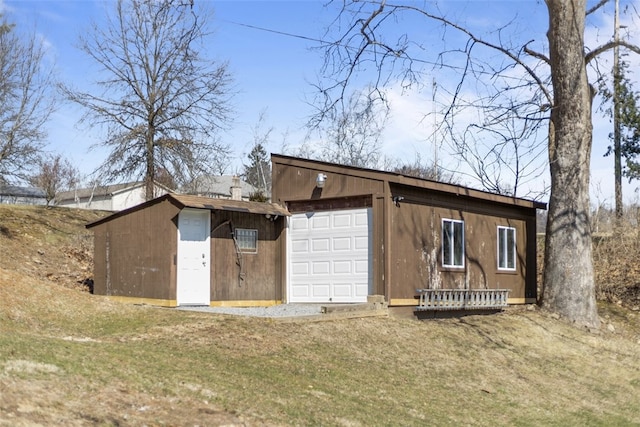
(247, 240)
(506, 248)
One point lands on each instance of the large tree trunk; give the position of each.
(568, 275)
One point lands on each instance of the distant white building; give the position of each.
(115, 197)
(15, 195)
(220, 187)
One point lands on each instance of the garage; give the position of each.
(330, 256)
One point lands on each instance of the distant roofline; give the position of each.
(103, 190)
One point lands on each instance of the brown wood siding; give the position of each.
(406, 237)
(378, 246)
(302, 206)
(135, 254)
(416, 247)
(248, 277)
(299, 183)
(456, 202)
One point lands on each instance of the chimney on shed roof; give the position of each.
(236, 189)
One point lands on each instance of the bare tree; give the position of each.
(258, 171)
(26, 102)
(352, 135)
(161, 103)
(555, 83)
(419, 169)
(55, 174)
(505, 152)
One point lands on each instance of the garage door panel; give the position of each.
(320, 245)
(362, 290)
(343, 267)
(341, 243)
(342, 290)
(361, 219)
(330, 256)
(300, 268)
(321, 267)
(320, 222)
(300, 245)
(299, 223)
(361, 266)
(300, 291)
(361, 243)
(321, 290)
(342, 220)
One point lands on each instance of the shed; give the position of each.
(189, 250)
(356, 232)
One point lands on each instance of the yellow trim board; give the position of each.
(240, 303)
(140, 300)
(174, 303)
(400, 301)
(396, 302)
(521, 301)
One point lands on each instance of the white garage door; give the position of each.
(330, 256)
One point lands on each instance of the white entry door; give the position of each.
(330, 256)
(194, 257)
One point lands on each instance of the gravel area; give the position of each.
(280, 310)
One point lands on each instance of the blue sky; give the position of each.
(272, 71)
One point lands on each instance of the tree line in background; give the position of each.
(159, 106)
(162, 126)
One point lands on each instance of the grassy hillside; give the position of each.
(71, 358)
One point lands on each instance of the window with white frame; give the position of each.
(452, 243)
(506, 248)
(247, 240)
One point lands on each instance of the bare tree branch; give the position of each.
(596, 7)
(26, 102)
(535, 54)
(162, 105)
(609, 46)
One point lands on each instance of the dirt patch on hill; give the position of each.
(616, 264)
(48, 244)
(617, 267)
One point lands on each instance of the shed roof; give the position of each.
(397, 178)
(197, 202)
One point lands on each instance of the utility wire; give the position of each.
(282, 33)
(327, 43)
